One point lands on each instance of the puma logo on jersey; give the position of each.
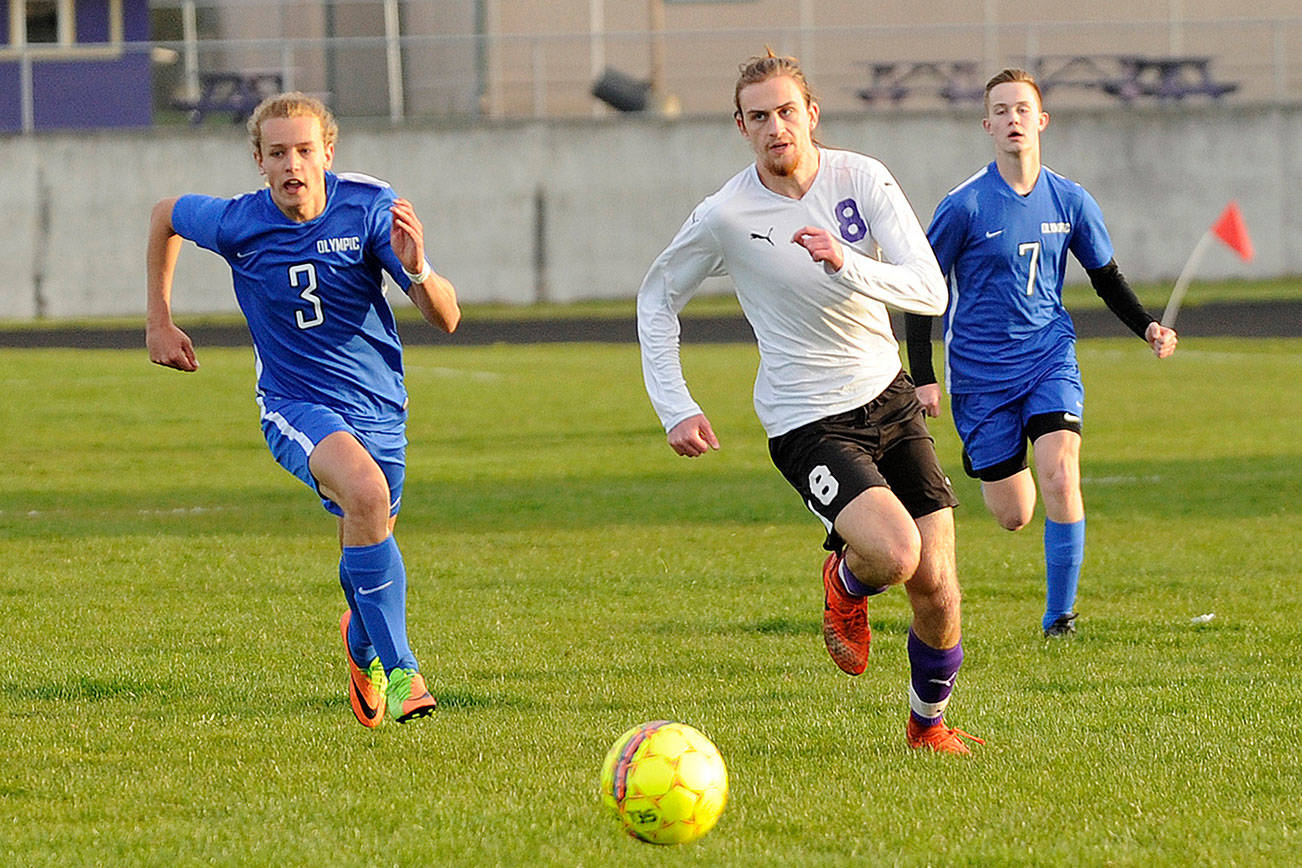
(755, 236)
(350, 244)
(1055, 228)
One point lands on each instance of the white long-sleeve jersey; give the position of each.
(825, 338)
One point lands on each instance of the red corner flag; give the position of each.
(1230, 228)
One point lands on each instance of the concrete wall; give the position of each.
(611, 192)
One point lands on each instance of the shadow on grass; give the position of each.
(786, 626)
(1239, 487)
(813, 625)
(462, 700)
(448, 700)
(580, 503)
(82, 689)
(1209, 489)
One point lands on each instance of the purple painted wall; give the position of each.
(92, 22)
(90, 94)
(76, 93)
(11, 113)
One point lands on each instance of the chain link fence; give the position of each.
(448, 60)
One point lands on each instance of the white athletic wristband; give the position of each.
(419, 278)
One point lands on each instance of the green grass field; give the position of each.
(174, 693)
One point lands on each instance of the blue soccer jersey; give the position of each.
(1004, 256)
(313, 294)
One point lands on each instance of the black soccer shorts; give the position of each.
(883, 443)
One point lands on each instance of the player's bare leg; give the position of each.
(933, 589)
(883, 544)
(347, 474)
(1011, 500)
(1057, 465)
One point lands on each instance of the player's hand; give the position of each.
(822, 246)
(170, 347)
(407, 236)
(1161, 339)
(693, 436)
(929, 398)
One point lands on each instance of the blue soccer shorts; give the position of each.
(995, 427)
(294, 428)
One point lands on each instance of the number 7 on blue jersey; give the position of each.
(1032, 247)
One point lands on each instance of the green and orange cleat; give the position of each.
(408, 698)
(846, 632)
(939, 738)
(365, 686)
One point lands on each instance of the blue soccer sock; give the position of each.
(1064, 551)
(379, 582)
(932, 672)
(359, 642)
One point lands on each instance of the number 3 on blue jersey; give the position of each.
(307, 271)
(1033, 248)
(853, 227)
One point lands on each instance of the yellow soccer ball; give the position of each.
(665, 781)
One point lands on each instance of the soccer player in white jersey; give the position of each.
(308, 254)
(795, 231)
(1002, 238)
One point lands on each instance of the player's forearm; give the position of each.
(436, 299)
(669, 284)
(665, 386)
(1111, 286)
(907, 277)
(917, 333)
(915, 287)
(161, 252)
(658, 333)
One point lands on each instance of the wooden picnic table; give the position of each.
(1124, 76)
(1131, 76)
(1167, 78)
(954, 80)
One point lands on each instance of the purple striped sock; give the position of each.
(932, 675)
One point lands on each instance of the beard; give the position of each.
(783, 166)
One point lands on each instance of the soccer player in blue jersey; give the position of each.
(308, 254)
(1002, 238)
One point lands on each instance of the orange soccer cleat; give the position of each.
(940, 738)
(845, 621)
(408, 698)
(365, 686)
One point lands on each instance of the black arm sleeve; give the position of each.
(1111, 286)
(917, 335)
